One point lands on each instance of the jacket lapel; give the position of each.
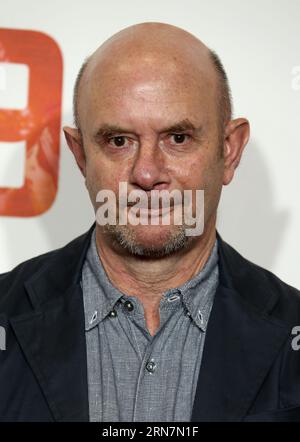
(242, 341)
(239, 349)
(52, 336)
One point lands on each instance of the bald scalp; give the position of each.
(154, 38)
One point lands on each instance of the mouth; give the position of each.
(147, 205)
(144, 211)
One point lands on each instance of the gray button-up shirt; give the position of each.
(133, 376)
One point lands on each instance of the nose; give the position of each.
(148, 170)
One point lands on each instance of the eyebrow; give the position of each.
(107, 129)
(180, 126)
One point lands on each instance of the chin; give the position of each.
(149, 241)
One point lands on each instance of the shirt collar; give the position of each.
(94, 279)
(196, 294)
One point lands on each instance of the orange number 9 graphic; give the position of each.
(35, 125)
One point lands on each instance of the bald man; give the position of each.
(147, 320)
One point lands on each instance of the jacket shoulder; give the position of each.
(12, 282)
(261, 286)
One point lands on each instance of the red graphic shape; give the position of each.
(38, 125)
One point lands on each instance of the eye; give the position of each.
(179, 138)
(118, 141)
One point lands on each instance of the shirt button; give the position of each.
(173, 297)
(200, 316)
(128, 305)
(94, 317)
(112, 314)
(151, 366)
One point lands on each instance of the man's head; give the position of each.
(224, 94)
(152, 108)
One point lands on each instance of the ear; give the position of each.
(74, 140)
(236, 137)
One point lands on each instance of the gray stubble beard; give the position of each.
(125, 238)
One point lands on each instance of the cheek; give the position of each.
(192, 173)
(199, 168)
(212, 189)
(101, 175)
(181, 172)
(94, 178)
(203, 174)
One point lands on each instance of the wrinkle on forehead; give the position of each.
(145, 54)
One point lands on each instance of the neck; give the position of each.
(148, 279)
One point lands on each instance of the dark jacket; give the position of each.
(249, 369)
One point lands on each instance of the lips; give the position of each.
(155, 212)
(144, 206)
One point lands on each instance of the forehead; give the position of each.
(150, 87)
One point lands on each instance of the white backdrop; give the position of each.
(259, 44)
